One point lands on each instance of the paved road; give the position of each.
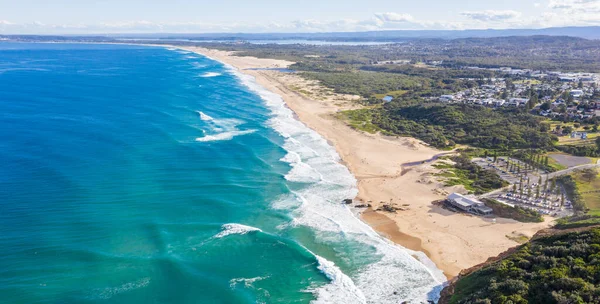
(569, 170)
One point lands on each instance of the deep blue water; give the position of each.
(150, 175)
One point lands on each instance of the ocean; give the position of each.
(135, 174)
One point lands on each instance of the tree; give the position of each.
(546, 106)
(532, 101)
(598, 142)
(567, 130)
(589, 174)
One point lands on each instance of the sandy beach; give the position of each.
(452, 241)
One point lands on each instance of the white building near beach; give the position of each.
(468, 204)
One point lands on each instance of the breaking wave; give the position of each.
(210, 74)
(229, 229)
(226, 128)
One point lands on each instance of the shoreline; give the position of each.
(452, 241)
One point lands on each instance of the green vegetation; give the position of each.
(519, 238)
(365, 84)
(587, 182)
(578, 221)
(394, 94)
(535, 159)
(580, 150)
(360, 120)
(560, 268)
(534, 52)
(516, 213)
(444, 125)
(570, 186)
(471, 176)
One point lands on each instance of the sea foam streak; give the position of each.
(396, 276)
(210, 74)
(224, 136)
(227, 128)
(204, 116)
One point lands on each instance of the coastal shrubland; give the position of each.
(444, 125)
(578, 221)
(474, 178)
(561, 267)
(366, 84)
(360, 120)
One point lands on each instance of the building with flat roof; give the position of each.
(468, 204)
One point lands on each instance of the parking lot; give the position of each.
(547, 205)
(548, 202)
(501, 167)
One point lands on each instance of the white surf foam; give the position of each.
(341, 289)
(210, 74)
(227, 128)
(204, 116)
(224, 136)
(247, 282)
(394, 275)
(229, 229)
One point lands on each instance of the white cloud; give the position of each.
(491, 15)
(578, 5)
(394, 17)
(572, 12)
(558, 13)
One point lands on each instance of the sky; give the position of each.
(286, 16)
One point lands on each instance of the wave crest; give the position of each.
(229, 229)
(210, 74)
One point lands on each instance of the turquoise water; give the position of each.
(151, 175)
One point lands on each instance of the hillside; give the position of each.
(556, 266)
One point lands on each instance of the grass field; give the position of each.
(394, 94)
(588, 190)
(528, 81)
(567, 140)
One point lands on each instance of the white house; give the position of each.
(467, 204)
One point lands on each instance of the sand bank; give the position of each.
(452, 241)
